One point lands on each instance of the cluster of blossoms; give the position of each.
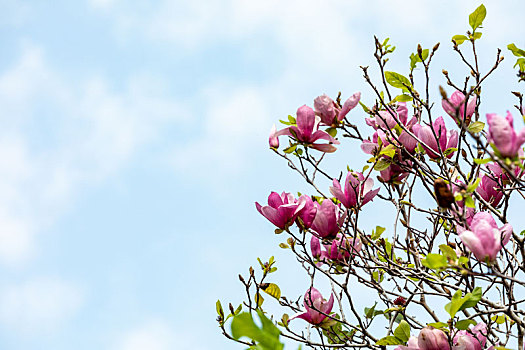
(393, 127)
(447, 184)
(430, 338)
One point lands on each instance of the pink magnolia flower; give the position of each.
(388, 119)
(372, 147)
(407, 140)
(491, 185)
(329, 111)
(316, 307)
(274, 136)
(457, 100)
(306, 210)
(412, 344)
(503, 136)
(327, 220)
(485, 239)
(340, 250)
(404, 139)
(357, 190)
(307, 131)
(394, 173)
(432, 339)
(281, 209)
(447, 139)
(473, 339)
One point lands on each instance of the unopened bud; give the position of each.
(435, 47)
(442, 92)
(419, 51)
(517, 94)
(241, 278)
(445, 72)
(231, 309)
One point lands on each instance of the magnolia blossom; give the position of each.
(329, 111)
(357, 190)
(397, 114)
(341, 248)
(429, 339)
(503, 136)
(491, 185)
(307, 131)
(485, 239)
(412, 344)
(316, 307)
(473, 339)
(395, 173)
(404, 139)
(327, 220)
(306, 210)
(455, 107)
(281, 209)
(438, 132)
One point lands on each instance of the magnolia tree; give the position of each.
(458, 257)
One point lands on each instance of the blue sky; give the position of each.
(133, 143)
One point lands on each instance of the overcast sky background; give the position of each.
(133, 143)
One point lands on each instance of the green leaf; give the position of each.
(272, 289)
(377, 232)
(482, 161)
(476, 35)
(378, 276)
(382, 164)
(450, 151)
(259, 299)
(448, 252)
(458, 303)
(459, 39)
(521, 63)
(402, 331)
(435, 261)
(476, 127)
(516, 51)
(472, 187)
(475, 296)
(365, 108)
(455, 304)
(464, 324)
(476, 18)
(218, 307)
(397, 80)
(371, 312)
(403, 98)
(332, 131)
(267, 336)
(290, 149)
(438, 324)
(388, 151)
(469, 202)
(284, 245)
(499, 319)
(390, 340)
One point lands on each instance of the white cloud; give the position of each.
(39, 306)
(152, 335)
(59, 136)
